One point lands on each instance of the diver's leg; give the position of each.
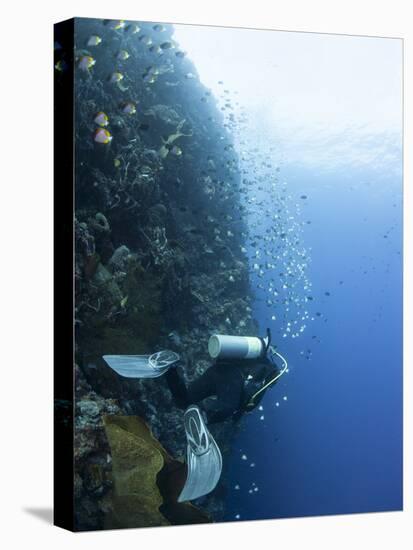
(229, 387)
(201, 387)
(178, 388)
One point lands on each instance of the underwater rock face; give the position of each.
(164, 113)
(156, 250)
(92, 455)
(146, 479)
(136, 464)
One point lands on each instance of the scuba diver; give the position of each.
(244, 368)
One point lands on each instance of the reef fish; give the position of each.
(94, 40)
(102, 135)
(129, 108)
(123, 55)
(145, 39)
(115, 25)
(60, 66)
(86, 62)
(177, 151)
(101, 119)
(116, 77)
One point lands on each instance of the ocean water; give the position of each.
(335, 444)
(319, 140)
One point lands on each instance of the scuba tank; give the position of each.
(223, 346)
(258, 365)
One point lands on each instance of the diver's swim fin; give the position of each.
(204, 458)
(142, 366)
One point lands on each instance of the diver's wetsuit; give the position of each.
(225, 380)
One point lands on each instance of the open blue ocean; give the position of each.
(329, 438)
(318, 132)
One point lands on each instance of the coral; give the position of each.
(135, 465)
(99, 223)
(164, 113)
(108, 285)
(119, 257)
(145, 478)
(92, 481)
(84, 241)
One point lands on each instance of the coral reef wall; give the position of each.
(159, 233)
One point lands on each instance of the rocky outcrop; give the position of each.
(158, 245)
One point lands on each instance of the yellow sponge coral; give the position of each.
(147, 480)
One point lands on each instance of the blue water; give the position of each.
(334, 445)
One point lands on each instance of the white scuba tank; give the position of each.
(223, 346)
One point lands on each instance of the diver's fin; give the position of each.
(142, 366)
(204, 458)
